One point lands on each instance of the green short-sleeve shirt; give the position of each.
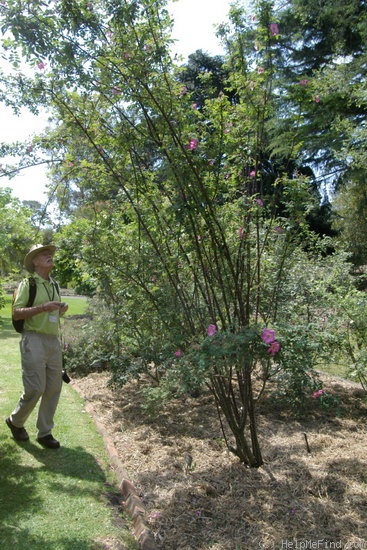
(46, 322)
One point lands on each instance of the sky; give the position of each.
(194, 29)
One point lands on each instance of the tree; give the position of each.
(323, 54)
(314, 59)
(16, 233)
(350, 218)
(204, 76)
(192, 227)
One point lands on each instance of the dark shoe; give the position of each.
(48, 441)
(20, 434)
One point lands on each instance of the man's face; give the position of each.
(44, 260)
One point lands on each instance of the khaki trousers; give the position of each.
(42, 380)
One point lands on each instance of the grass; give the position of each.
(59, 500)
(335, 370)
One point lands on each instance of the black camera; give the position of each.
(66, 378)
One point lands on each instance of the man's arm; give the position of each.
(27, 312)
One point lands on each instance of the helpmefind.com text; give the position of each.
(313, 545)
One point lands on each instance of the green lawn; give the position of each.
(51, 499)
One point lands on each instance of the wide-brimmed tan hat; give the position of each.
(36, 249)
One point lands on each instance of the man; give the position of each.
(40, 348)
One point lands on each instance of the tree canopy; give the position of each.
(16, 232)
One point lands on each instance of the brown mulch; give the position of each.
(316, 498)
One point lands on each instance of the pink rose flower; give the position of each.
(193, 143)
(274, 29)
(273, 348)
(211, 330)
(268, 335)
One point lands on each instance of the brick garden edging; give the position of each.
(136, 510)
(130, 497)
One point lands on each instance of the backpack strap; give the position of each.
(32, 291)
(19, 324)
(55, 284)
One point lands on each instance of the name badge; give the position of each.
(53, 318)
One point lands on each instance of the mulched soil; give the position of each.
(298, 499)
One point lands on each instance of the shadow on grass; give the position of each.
(22, 539)
(17, 484)
(59, 471)
(67, 461)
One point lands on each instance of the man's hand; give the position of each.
(63, 308)
(53, 306)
